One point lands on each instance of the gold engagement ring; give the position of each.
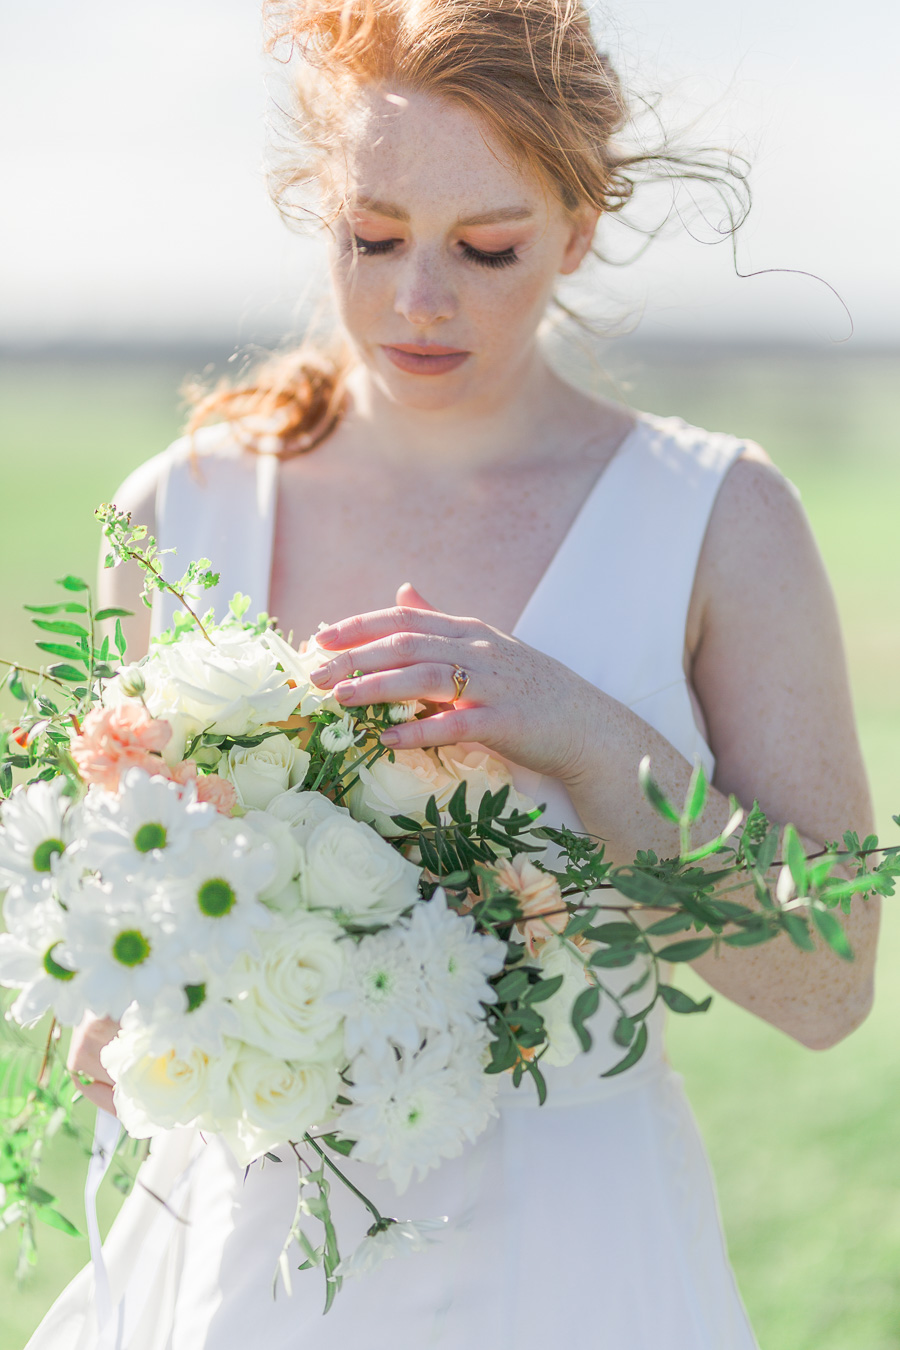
(460, 682)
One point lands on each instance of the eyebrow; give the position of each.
(495, 217)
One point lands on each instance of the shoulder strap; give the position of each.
(613, 604)
(216, 500)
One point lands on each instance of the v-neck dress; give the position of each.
(590, 1223)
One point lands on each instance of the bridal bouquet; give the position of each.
(308, 938)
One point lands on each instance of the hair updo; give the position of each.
(528, 69)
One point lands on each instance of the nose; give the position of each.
(424, 294)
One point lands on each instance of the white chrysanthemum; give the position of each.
(455, 963)
(350, 869)
(216, 906)
(403, 712)
(559, 957)
(384, 1242)
(381, 996)
(340, 735)
(34, 833)
(144, 830)
(407, 1112)
(124, 952)
(31, 960)
(284, 996)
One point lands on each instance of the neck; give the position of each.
(512, 423)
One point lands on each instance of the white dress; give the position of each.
(587, 1224)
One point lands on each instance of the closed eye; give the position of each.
(505, 258)
(368, 247)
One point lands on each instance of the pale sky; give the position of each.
(132, 204)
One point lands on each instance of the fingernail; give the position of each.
(325, 635)
(345, 691)
(390, 738)
(320, 676)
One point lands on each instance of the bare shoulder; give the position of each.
(758, 542)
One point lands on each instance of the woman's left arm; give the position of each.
(769, 672)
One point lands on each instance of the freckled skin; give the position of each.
(467, 482)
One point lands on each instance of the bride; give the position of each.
(587, 585)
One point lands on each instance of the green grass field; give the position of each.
(806, 1147)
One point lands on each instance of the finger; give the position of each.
(408, 595)
(381, 623)
(444, 728)
(100, 1095)
(390, 653)
(432, 681)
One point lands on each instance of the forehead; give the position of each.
(417, 151)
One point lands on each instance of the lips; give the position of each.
(425, 358)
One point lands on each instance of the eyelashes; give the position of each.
(370, 248)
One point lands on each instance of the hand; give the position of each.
(88, 1039)
(518, 702)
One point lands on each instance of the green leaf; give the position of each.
(120, 638)
(749, 937)
(62, 672)
(60, 649)
(113, 613)
(685, 951)
(16, 687)
(611, 958)
(54, 1219)
(675, 923)
(696, 796)
(64, 607)
(71, 583)
(623, 1033)
(832, 931)
(544, 989)
(512, 986)
(333, 1141)
(432, 815)
(585, 1005)
(680, 1002)
(654, 793)
(457, 805)
(63, 626)
(539, 1082)
(797, 930)
(615, 932)
(634, 1054)
(795, 857)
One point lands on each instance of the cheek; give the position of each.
(510, 307)
(358, 290)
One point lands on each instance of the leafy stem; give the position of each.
(378, 1217)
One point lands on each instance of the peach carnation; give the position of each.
(538, 894)
(114, 740)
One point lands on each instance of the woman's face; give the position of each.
(445, 253)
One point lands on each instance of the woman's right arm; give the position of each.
(119, 587)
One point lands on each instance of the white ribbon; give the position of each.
(106, 1136)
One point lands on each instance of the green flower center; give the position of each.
(53, 967)
(382, 981)
(216, 897)
(195, 995)
(150, 836)
(45, 853)
(131, 948)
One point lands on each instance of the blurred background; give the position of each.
(138, 247)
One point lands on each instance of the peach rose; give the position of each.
(114, 740)
(538, 894)
(210, 787)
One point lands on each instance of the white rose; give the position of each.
(347, 867)
(298, 666)
(401, 788)
(155, 1092)
(285, 851)
(261, 772)
(559, 957)
(231, 687)
(273, 1101)
(284, 997)
(303, 811)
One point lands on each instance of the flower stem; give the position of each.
(379, 1218)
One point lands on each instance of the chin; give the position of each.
(425, 393)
